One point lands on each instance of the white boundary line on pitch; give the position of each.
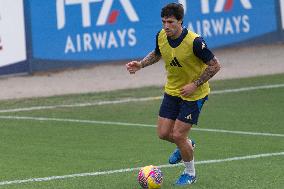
(134, 99)
(133, 124)
(42, 179)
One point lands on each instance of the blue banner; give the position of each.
(225, 22)
(104, 30)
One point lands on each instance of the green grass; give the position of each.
(33, 149)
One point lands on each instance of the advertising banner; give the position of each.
(282, 13)
(93, 30)
(103, 30)
(12, 32)
(224, 22)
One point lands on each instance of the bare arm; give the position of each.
(209, 72)
(150, 59)
(213, 67)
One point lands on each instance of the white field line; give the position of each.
(133, 124)
(42, 179)
(247, 89)
(126, 100)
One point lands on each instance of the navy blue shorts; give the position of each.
(173, 107)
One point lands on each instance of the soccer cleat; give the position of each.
(185, 179)
(176, 156)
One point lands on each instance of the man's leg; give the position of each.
(165, 129)
(180, 133)
(189, 113)
(168, 113)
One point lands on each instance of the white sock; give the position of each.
(189, 168)
(190, 142)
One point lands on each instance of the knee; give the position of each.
(177, 137)
(164, 136)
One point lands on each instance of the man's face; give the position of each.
(172, 26)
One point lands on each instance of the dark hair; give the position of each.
(173, 9)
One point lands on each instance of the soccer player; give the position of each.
(189, 65)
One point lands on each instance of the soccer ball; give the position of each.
(150, 177)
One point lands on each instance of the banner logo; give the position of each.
(220, 5)
(223, 5)
(93, 14)
(208, 24)
(105, 14)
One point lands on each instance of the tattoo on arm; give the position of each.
(209, 72)
(150, 59)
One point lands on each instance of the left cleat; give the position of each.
(176, 156)
(186, 179)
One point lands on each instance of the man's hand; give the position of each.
(133, 66)
(188, 89)
(150, 59)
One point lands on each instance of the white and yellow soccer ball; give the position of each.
(150, 177)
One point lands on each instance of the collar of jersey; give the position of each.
(176, 42)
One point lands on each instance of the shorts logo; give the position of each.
(188, 117)
(203, 45)
(175, 62)
(105, 14)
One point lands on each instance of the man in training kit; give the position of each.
(189, 65)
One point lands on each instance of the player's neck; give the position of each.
(179, 31)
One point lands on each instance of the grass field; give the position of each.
(100, 140)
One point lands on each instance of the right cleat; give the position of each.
(186, 179)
